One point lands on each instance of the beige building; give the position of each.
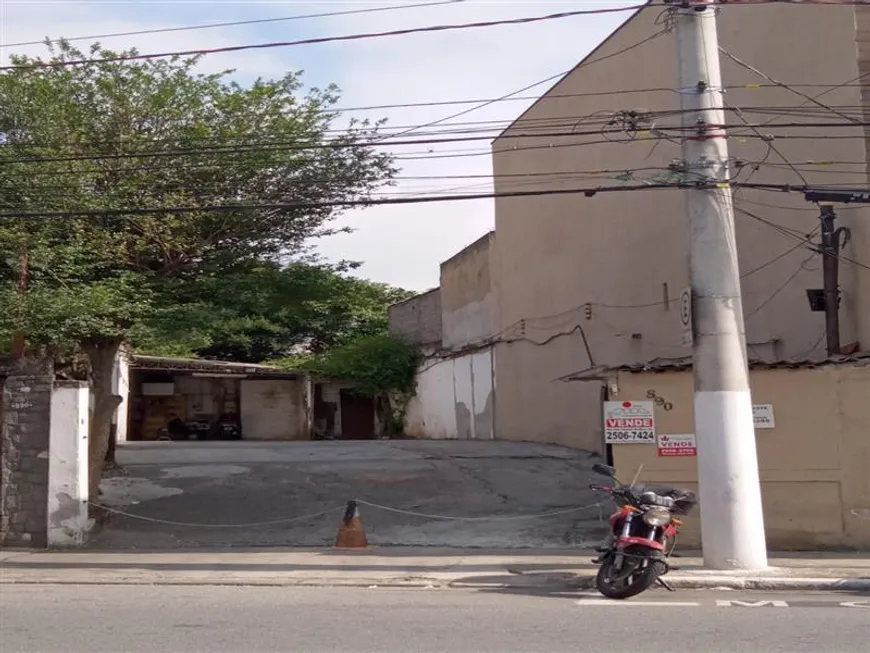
(611, 267)
(454, 325)
(569, 282)
(811, 435)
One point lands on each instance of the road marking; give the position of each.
(639, 604)
(751, 604)
(855, 604)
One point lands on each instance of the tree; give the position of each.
(269, 311)
(155, 138)
(381, 366)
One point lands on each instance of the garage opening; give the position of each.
(179, 399)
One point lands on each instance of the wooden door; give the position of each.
(357, 417)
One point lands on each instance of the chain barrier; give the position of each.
(336, 509)
(274, 522)
(412, 513)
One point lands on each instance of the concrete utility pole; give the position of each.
(732, 528)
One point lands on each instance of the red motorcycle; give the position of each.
(643, 535)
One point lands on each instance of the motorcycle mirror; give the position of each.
(604, 470)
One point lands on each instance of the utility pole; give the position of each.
(732, 526)
(831, 272)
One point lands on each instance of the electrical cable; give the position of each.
(802, 239)
(560, 96)
(212, 208)
(236, 23)
(282, 146)
(778, 290)
(770, 79)
(324, 39)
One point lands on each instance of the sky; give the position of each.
(400, 244)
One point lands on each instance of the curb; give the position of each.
(762, 583)
(422, 582)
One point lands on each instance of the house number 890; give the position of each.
(659, 401)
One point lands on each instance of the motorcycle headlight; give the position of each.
(657, 516)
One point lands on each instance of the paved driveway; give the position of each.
(209, 486)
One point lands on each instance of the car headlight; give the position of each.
(657, 516)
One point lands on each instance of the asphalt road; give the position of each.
(104, 619)
(221, 484)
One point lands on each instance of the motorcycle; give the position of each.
(643, 535)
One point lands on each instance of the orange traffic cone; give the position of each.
(351, 535)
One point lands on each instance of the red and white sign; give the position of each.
(677, 445)
(629, 422)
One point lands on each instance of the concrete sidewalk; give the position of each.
(408, 567)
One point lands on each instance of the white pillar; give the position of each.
(732, 523)
(68, 521)
(121, 387)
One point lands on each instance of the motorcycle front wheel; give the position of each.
(637, 575)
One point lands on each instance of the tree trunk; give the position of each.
(113, 441)
(102, 358)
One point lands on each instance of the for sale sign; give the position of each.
(677, 445)
(629, 422)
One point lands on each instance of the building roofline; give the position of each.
(168, 364)
(684, 364)
(485, 237)
(582, 62)
(417, 296)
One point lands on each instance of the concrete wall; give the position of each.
(68, 521)
(814, 464)
(467, 301)
(419, 319)
(555, 253)
(25, 413)
(275, 410)
(121, 387)
(455, 399)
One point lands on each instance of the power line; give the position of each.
(491, 129)
(559, 96)
(802, 239)
(773, 260)
(779, 289)
(281, 146)
(237, 23)
(212, 208)
(770, 79)
(590, 191)
(325, 39)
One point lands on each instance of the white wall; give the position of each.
(274, 410)
(121, 387)
(68, 465)
(454, 399)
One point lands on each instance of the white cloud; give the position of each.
(400, 244)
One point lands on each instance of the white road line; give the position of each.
(639, 604)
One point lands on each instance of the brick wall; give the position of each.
(418, 318)
(24, 441)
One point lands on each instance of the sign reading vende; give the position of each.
(628, 422)
(677, 445)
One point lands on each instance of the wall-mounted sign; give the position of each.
(762, 415)
(686, 316)
(677, 445)
(629, 422)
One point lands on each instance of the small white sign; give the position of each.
(629, 422)
(677, 445)
(686, 316)
(762, 415)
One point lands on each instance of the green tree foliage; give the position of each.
(156, 135)
(267, 311)
(381, 366)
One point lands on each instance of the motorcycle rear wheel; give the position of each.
(636, 582)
